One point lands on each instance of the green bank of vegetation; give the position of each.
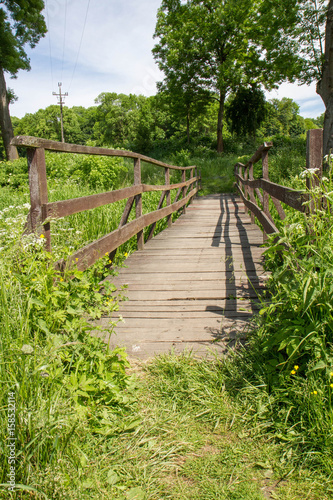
(89, 425)
(82, 422)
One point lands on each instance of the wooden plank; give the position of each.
(188, 294)
(207, 305)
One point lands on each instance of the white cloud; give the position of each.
(311, 104)
(115, 56)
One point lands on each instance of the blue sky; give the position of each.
(95, 46)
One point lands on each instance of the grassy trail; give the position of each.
(189, 442)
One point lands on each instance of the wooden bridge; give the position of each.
(196, 284)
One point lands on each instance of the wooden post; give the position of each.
(314, 160)
(265, 202)
(168, 195)
(251, 190)
(184, 189)
(38, 193)
(138, 201)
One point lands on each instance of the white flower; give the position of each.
(27, 349)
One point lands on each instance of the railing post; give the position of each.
(138, 201)
(251, 190)
(265, 197)
(168, 195)
(38, 193)
(184, 189)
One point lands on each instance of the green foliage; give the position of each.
(45, 123)
(14, 173)
(286, 372)
(246, 110)
(21, 23)
(63, 379)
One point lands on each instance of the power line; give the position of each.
(50, 45)
(64, 43)
(77, 58)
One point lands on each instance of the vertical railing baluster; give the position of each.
(38, 193)
(251, 190)
(138, 201)
(168, 195)
(184, 189)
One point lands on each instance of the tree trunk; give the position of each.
(220, 123)
(5, 121)
(325, 85)
(188, 127)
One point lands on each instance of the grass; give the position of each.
(189, 440)
(257, 425)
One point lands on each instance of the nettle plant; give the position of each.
(52, 356)
(301, 284)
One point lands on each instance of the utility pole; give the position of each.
(61, 102)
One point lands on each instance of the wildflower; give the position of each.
(61, 279)
(314, 392)
(296, 367)
(106, 254)
(27, 349)
(331, 385)
(76, 259)
(110, 261)
(126, 254)
(293, 372)
(331, 374)
(42, 236)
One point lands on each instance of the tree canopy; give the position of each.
(224, 46)
(21, 23)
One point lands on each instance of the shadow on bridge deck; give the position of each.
(195, 285)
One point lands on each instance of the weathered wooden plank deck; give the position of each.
(195, 285)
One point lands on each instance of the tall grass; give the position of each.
(285, 375)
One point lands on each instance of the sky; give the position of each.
(95, 46)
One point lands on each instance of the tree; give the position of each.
(246, 110)
(221, 44)
(45, 123)
(187, 85)
(21, 23)
(325, 83)
(116, 118)
(293, 33)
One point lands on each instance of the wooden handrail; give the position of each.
(63, 147)
(42, 211)
(298, 200)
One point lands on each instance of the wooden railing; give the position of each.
(42, 210)
(259, 190)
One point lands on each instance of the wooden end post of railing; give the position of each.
(38, 193)
(168, 194)
(265, 176)
(251, 190)
(138, 201)
(184, 189)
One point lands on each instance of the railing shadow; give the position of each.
(238, 285)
